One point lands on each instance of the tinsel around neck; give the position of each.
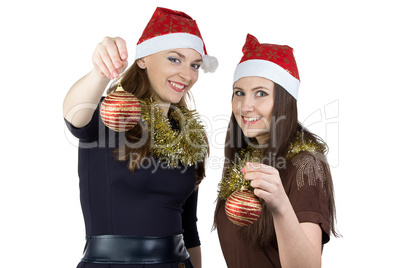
(185, 145)
(233, 179)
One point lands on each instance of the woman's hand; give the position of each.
(110, 57)
(267, 185)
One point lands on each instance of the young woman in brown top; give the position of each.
(280, 161)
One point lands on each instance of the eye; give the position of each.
(239, 93)
(174, 59)
(196, 66)
(261, 94)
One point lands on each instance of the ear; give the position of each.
(141, 63)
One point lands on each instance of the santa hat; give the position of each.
(170, 29)
(274, 62)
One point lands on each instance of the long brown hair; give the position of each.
(135, 80)
(284, 126)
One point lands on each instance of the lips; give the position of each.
(179, 87)
(251, 120)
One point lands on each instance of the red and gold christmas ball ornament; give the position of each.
(120, 110)
(243, 208)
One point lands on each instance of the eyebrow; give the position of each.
(183, 57)
(254, 89)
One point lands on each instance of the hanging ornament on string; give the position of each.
(120, 110)
(242, 207)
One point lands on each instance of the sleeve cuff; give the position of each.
(317, 218)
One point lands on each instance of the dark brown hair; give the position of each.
(135, 80)
(284, 126)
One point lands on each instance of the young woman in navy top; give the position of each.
(139, 201)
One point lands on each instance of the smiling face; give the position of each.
(252, 105)
(172, 72)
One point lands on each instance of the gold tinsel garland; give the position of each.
(185, 145)
(299, 144)
(233, 179)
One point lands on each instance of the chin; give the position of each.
(254, 134)
(175, 100)
(250, 136)
(172, 98)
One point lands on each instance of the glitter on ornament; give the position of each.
(120, 110)
(243, 208)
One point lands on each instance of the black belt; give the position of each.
(121, 249)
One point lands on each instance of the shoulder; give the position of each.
(90, 132)
(306, 160)
(309, 169)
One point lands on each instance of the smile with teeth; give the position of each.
(251, 120)
(177, 86)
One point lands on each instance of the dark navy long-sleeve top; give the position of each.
(153, 201)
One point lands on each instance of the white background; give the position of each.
(349, 58)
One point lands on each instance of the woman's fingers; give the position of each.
(267, 184)
(259, 167)
(110, 57)
(122, 48)
(102, 61)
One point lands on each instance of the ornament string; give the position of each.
(119, 86)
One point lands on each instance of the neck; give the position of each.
(164, 106)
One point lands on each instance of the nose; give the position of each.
(247, 104)
(185, 73)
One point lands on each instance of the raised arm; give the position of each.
(109, 58)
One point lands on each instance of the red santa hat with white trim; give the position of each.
(169, 29)
(273, 62)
